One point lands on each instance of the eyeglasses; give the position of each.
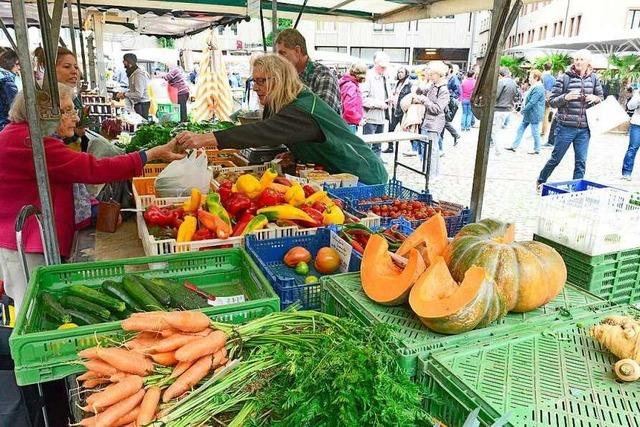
(261, 81)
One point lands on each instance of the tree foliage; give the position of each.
(515, 65)
(283, 24)
(559, 62)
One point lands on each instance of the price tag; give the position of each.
(296, 179)
(344, 249)
(235, 299)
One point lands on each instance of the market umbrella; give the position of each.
(213, 94)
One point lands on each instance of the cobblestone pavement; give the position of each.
(510, 190)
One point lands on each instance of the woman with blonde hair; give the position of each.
(296, 117)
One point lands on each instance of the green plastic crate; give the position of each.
(554, 375)
(342, 295)
(43, 355)
(613, 276)
(168, 112)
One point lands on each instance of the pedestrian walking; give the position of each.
(576, 91)
(454, 87)
(376, 98)
(548, 81)
(532, 113)
(508, 93)
(402, 89)
(634, 136)
(350, 96)
(466, 90)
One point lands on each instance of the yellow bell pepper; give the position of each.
(274, 213)
(249, 185)
(268, 177)
(295, 195)
(193, 203)
(187, 229)
(319, 196)
(333, 215)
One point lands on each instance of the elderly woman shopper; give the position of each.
(296, 117)
(350, 95)
(65, 167)
(532, 113)
(435, 99)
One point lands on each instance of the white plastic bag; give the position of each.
(180, 176)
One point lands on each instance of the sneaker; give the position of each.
(626, 177)
(455, 140)
(534, 152)
(409, 154)
(547, 146)
(511, 149)
(442, 154)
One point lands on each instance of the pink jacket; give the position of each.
(18, 185)
(467, 88)
(351, 98)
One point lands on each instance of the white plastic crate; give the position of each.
(593, 222)
(257, 169)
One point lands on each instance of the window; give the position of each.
(339, 49)
(633, 19)
(560, 28)
(220, 30)
(546, 27)
(377, 27)
(388, 28)
(578, 21)
(234, 29)
(413, 26)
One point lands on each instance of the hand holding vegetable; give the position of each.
(166, 152)
(187, 139)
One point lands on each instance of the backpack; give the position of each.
(451, 108)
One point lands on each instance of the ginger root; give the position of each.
(620, 335)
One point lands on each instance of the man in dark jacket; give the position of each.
(574, 92)
(9, 69)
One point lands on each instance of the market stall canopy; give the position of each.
(614, 42)
(165, 22)
(372, 10)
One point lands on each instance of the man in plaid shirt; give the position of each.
(292, 45)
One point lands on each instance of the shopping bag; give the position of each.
(180, 176)
(606, 116)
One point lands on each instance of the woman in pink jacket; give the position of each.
(351, 97)
(18, 186)
(467, 86)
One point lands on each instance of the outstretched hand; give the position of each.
(167, 152)
(185, 140)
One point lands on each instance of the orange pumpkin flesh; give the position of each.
(430, 239)
(382, 280)
(447, 307)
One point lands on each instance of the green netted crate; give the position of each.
(342, 295)
(42, 353)
(554, 375)
(613, 276)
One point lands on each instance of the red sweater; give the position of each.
(18, 186)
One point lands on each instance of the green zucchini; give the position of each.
(138, 292)
(81, 318)
(110, 303)
(158, 293)
(181, 297)
(116, 290)
(81, 304)
(53, 308)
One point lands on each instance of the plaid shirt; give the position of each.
(323, 83)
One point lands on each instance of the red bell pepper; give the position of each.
(160, 217)
(236, 203)
(269, 197)
(242, 224)
(308, 190)
(283, 181)
(203, 234)
(316, 215)
(225, 190)
(319, 206)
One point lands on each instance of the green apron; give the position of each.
(342, 151)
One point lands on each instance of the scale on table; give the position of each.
(260, 155)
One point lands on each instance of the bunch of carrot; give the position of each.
(170, 354)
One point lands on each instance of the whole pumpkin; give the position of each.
(527, 274)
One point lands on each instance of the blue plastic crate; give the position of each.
(353, 195)
(290, 286)
(570, 186)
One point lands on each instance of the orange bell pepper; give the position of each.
(214, 223)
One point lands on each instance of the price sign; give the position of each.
(344, 249)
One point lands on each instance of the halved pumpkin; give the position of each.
(430, 239)
(382, 280)
(447, 307)
(527, 274)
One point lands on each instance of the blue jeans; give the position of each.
(353, 128)
(565, 136)
(535, 130)
(371, 128)
(634, 144)
(467, 115)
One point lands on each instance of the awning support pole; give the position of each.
(50, 242)
(85, 76)
(304, 5)
(72, 29)
(8, 36)
(264, 37)
(274, 22)
(483, 101)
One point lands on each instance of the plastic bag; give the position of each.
(177, 179)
